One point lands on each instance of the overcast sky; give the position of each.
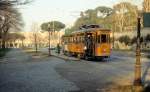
(66, 11)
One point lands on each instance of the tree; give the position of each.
(104, 11)
(52, 27)
(147, 38)
(12, 21)
(134, 40)
(12, 37)
(68, 31)
(22, 38)
(146, 5)
(125, 16)
(100, 15)
(11, 17)
(35, 30)
(125, 39)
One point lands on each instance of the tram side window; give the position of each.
(82, 39)
(103, 38)
(75, 39)
(108, 38)
(98, 38)
(79, 39)
(71, 40)
(64, 40)
(68, 39)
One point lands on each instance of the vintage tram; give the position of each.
(89, 42)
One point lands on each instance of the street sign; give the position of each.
(146, 19)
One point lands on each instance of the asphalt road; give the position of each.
(20, 72)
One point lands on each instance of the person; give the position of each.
(58, 49)
(88, 43)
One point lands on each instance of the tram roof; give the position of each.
(87, 30)
(90, 30)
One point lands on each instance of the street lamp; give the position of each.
(137, 79)
(49, 48)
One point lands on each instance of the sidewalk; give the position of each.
(64, 57)
(61, 55)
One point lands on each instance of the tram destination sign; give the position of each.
(146, 19)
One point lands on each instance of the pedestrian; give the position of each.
(58, 49)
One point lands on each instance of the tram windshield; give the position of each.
(103, 38)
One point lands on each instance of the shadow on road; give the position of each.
(146, 82)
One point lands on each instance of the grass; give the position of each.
(146, 50)
(125, 88)
(3, 52)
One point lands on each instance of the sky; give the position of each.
(66, 11)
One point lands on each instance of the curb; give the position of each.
(66, 58)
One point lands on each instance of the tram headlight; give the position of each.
(85, 48)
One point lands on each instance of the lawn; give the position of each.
(3, 52)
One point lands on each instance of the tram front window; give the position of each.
(103, 38)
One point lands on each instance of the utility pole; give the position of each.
(137, 80)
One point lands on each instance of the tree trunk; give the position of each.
(3, 43)
(4, 40)
(35, 37)
(22, 43)
(49, 49)
(4, 34)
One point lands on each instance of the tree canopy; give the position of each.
(52, 26)
(10, 17)
(98, 15)
(15, 36)
(122, 17)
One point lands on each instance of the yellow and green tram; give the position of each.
(88, 43)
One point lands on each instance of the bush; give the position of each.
(147, 38)
(134, 39)
(3, 52)
(125, 39)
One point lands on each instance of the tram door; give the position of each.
(89, 45)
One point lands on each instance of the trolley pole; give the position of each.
(137, 79)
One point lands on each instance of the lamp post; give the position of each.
(137, 79)
(49, 48)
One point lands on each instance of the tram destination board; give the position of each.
(146, 19)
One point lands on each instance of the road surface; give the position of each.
(20, 72)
